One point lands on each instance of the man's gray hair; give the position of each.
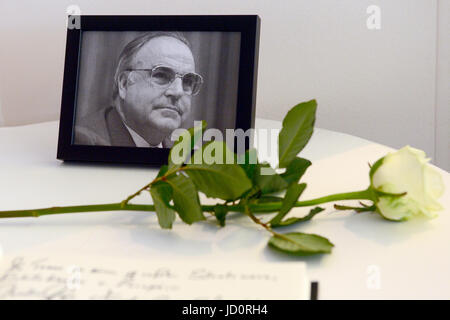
(130, 50)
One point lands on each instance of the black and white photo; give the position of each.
(131, 81)
(135, 93)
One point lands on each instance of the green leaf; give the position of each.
(295, 170)
(248, 161)
(301, 244)
(292, 194)
(220, 212)
(268, 198)
(216, 173)
(184, 144)
(251, 194)
(185, 199)
(161, 193)
(214, 152)
(162, 171)
(224, 181)
(270, 181)
(291, 221)
(297, 129)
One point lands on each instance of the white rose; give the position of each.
(406, 171)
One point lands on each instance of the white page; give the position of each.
(92, 277)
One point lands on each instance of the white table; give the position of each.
(372, 258)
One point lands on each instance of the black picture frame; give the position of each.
(247, 25)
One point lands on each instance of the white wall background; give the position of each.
(388, 85)
(2, 121)
(443, 87)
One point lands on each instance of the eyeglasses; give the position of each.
(163, 77)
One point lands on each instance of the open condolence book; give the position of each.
(91, 277)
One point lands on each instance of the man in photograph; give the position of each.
(154, 82)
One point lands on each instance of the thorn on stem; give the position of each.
(363, 204)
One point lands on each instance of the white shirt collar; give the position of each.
(139, 141)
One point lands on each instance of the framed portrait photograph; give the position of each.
(131, 81)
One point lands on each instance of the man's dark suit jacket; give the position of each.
(103, 128)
